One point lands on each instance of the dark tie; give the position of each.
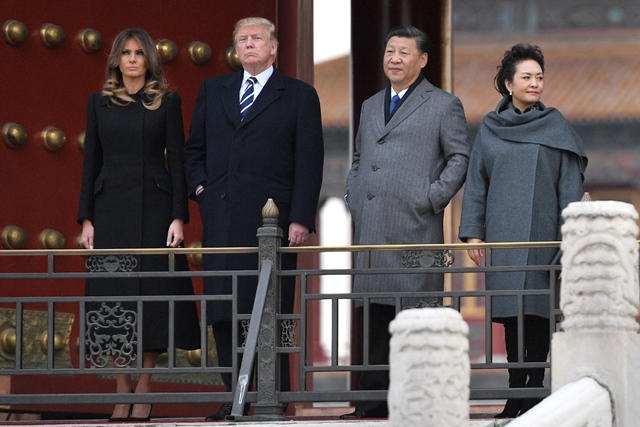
(247, 97)
(392, 104)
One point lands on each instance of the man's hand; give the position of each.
(298, 234)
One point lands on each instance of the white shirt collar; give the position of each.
(400, 95)
(262, 78)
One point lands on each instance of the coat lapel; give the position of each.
(231, 97)
(378, 112)
(269, 94)
(419, 96)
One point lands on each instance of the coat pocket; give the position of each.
(163, 182)
(98, 184)
(280, 197)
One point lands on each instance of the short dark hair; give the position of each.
(517, 54)
(411, 32)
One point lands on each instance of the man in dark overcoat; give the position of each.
(410, 159)
(255, 134)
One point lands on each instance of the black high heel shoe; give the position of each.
(140, 419)
(122, 419)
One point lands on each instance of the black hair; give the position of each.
(411, 32)
(517, 54)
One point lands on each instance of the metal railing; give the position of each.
(290, 329)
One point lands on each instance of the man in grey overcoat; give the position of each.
(410, 159)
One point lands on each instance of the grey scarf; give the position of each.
(546, 126)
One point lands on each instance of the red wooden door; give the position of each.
(48, 86)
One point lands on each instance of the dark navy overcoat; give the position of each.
(276, 152)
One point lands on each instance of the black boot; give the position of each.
(511, 408)
(528, 404)
(536, 379)
(517, 377)
(537, 342)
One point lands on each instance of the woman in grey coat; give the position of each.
(527, 164)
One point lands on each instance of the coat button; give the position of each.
(374, 168)
(370, 196)
(223, 195)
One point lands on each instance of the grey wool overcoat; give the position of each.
(524, 169)
(403, 175)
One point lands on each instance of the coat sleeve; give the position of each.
(195, 149)
(174, 131)
(92, 163)
(456, 150)
(569, 185)
(309, 161)
(355, 164)
(474, 202)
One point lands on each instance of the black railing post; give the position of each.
(269, 239)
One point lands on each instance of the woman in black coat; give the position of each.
(132, 197)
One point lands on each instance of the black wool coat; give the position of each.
(132, 194)
(276, 152)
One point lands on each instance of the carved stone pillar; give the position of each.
(429, 369)
(599, 300)
(600, 267)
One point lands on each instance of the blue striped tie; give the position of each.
(247, 97)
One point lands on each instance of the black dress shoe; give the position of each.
(225, 410)
(222, 413)
(376, 412)
(355, 414)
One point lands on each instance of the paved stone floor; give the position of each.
(164, 423)
(481, 414)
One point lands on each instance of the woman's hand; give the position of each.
(175, 234)
(86, 238)
(477, 255)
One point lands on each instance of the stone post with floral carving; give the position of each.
(599, 301)
(429, 369)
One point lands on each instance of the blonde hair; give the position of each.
(256, 20)
(155, 86)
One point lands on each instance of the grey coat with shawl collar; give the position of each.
(524, 169)
(403, 175)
